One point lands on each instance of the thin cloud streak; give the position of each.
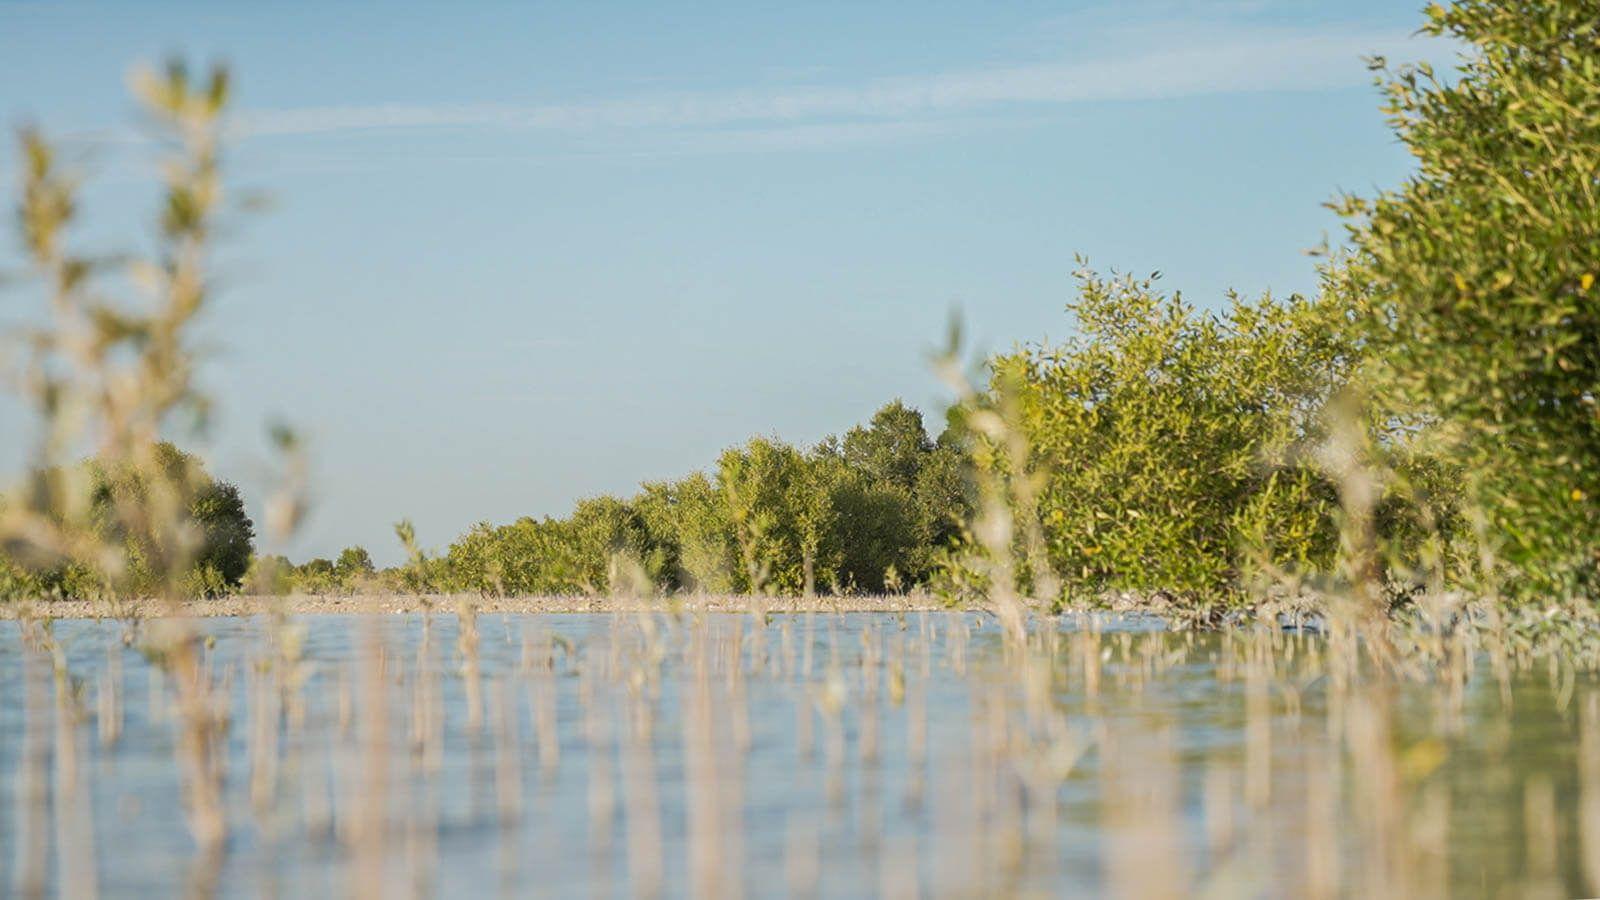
(1207, 63)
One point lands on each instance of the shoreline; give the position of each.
(400, 604)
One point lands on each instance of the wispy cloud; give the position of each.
(1208, 62)
(1117, 57)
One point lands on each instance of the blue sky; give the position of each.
(522, 253)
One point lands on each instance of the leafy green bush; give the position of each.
(229, 542)
(877, 535)
(1478, 278)
(271, 576)
(1169, 438)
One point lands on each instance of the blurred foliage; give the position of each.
(109, 375)
(109, 371)
(216, 511)
(109, 507)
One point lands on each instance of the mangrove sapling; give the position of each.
(110, 378)
(1002, 494)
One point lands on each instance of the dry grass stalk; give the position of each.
(31, 789)
(646, 867)
(76, 861)
(369, 835)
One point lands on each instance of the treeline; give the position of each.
(875, 510)
(878, 509)
(352, 572)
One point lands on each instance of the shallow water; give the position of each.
(863, 805)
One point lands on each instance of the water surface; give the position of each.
(854, 754)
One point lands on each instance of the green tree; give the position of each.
(271, 575)
(772, 519)
(758, 484)
(904, 499)
(605, 530)
(875, 530)
(944, 497)
(223, 534)
(353, 565)
(316, 576)
(811, 500)
(891, 449)
(707, 548)
(229, 540)
(1477, 278)
(529, 556)
(659, 507)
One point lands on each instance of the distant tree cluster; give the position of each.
(872, 511)
(352, 572)
(224, 533)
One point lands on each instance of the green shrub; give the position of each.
(877, 533)
(229, 541)
(1168, 438)
(606, 530)
(528, 556)
(270, 576)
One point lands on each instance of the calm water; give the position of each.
(874, 807)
